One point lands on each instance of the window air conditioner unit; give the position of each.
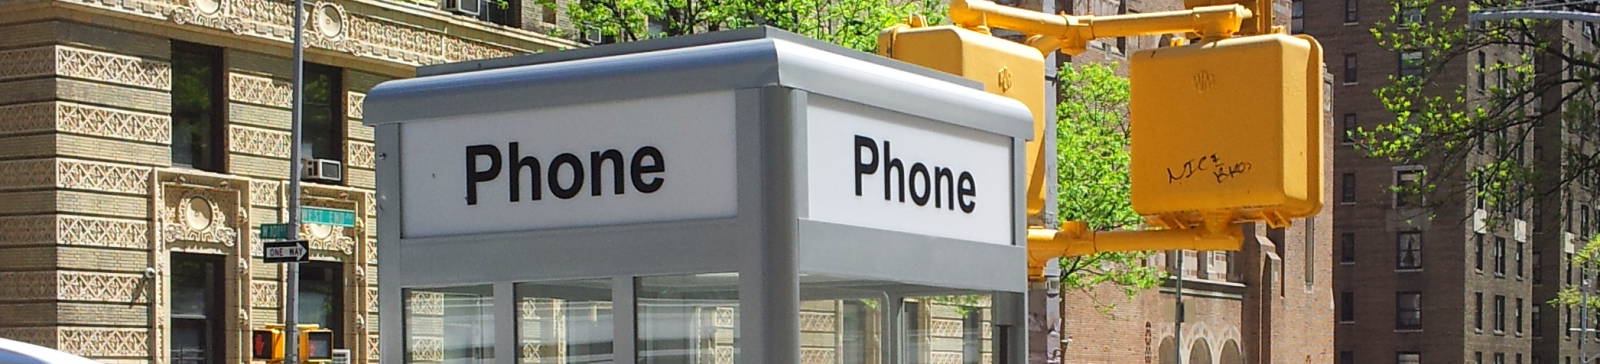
(468, 7)
(592, 35)
(323, 170)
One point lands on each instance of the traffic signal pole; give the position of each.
(291, 301)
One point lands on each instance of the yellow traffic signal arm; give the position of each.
(1071, 33)
(1075, 239)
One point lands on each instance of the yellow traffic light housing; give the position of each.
(315, 343)
(1233, 125)
(1244, 113)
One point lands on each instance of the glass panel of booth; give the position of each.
(451, 325)
(846, 321)
(567, 322)
(687, 319)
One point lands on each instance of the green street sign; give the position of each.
(327, 216)
(275, 231)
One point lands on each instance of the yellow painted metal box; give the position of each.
(1231, 125)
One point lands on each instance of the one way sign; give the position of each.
(292, 251)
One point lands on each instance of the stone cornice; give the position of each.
(398, 34)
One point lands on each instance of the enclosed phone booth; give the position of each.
(749, 196)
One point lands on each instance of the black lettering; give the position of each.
(566, 192)
(657, 164)
(474, 175)
(942, 177)
(517, 165)
(921, 199)
(966, 188)
(596, 162)
(863, 169)
(892, 167)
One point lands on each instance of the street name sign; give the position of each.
(327, 216)
(291, 251)
(275, 231)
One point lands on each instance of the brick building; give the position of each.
(1451, 287)
(144, 140)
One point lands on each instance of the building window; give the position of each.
(1408, 357)
(1297, 19)
(1483, 69)
(1408, 250)
(1408, 186)
(1538, 273)
(1499, 256)
(1477, 244)
(1518, 258)
(1347, 248)
(1516, 317)
(1477, 311)
(550, 14)
(1349, 68)
(1349, 135)
(1410, 15)
(1499, 314)
(1499, 358)
(1408, 311)
(1347, 357)
(322, 297)
(1477, 357)
(196, 307)
(1568, 264)
(1347, 307)
(1310, 258)
(323, 119)
(1411, 64)
(199, 126)
(1352, 11)
(1347, 188)
(503, 12)
(1537, 327)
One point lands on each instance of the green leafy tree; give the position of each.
(1093, 173)
(1474, 131)
(850, 23)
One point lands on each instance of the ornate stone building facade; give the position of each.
(144, 141)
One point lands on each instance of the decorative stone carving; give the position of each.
(265, 193)
(353, 104)
(24, 286)
(115, 68)
(26, 230)
(74, 118)
(42, 336)
(27, 62)
(257, 141)
(817, 321)
(27, 173)
(372, 348)
(372, 300)
(425, 349)
(944, 357)
(361, 155)
(99, 121)
(259, 90)
(328, 20)
(945, 328)
(99, 232)
(264, 294)
(817, 356)
(207, 7)
(197, 217)
(102, 287)
(725, 317)
(77, 174)
(423, 303)
(328, 238)
(104, 342)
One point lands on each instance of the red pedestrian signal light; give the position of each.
(266, 344)
(318, 345)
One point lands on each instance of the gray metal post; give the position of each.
(1177, 314)
(291, 310)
